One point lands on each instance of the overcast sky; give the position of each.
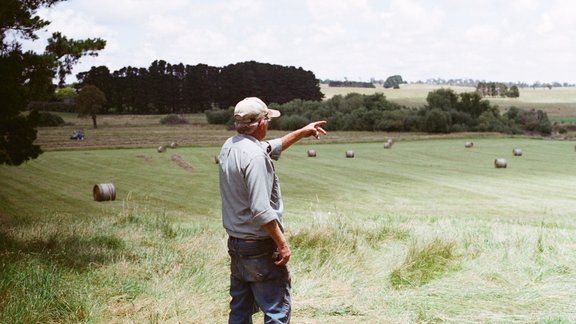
(492, 40)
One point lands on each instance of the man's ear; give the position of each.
(262, 122)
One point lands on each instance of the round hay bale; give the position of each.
(349, 154)
(104, 192)
(500, 163)
(468, 144)
(311, 153)
(517, 152)
(388, 145)
(173, 145)
(161, 149)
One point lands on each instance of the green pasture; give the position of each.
(427, 231)
(564, 120)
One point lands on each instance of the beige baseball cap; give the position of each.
(252, 109)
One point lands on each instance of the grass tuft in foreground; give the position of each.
(424, 265)
(134, 265)
(36, 292)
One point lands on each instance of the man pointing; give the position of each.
(252, 214)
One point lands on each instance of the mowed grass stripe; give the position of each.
(45, 185)
(416, 172)
(447, 173)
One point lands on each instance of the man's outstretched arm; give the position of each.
(313, 129)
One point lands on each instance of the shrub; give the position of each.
(459, 128)
(437, 121)
(464, 119)
(531, 121)
(293, 107)
(489, 121)
(46, 119)
(173, 119)
(397, 120)
(292, 122)
(219, 116)
(545, 127)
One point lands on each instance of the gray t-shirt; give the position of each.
(249, 187)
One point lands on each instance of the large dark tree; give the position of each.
(90, 102)
(393, 81)
(26, 75)
(101, 78)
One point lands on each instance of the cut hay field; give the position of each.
(129, 131)
(428, 231)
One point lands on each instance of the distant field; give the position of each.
(556, 102)
(127, 131)
(131, 131)
(563, 120)
(157, 253)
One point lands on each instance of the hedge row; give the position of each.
(445, 112)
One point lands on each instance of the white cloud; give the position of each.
(545, 25)
(357, 39)
(128, 11)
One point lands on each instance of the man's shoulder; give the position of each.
(243, 143)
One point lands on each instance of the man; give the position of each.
(252, 214)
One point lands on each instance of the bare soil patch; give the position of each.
(181, 163)
(146, 158)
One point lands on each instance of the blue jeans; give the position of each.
(257, 283)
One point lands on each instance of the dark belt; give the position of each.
(254, 240)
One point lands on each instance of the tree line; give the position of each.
(445, 111)
(165, 88)
(351, 84)
(393, 81)
(497, 89)
(473, 83)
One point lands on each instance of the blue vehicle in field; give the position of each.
(77, 135)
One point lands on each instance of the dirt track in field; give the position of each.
(181, 163)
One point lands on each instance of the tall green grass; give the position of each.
(426, 231)
(425, 264)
